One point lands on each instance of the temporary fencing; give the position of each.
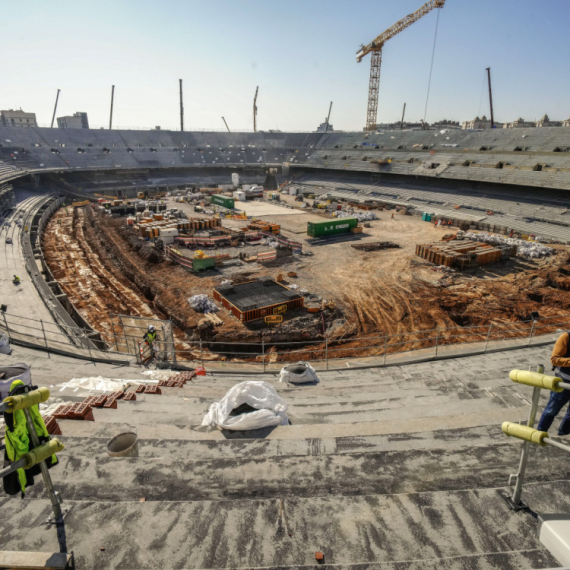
(376, 350)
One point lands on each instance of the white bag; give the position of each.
(5, 344)
(300, 373)
(271, 410)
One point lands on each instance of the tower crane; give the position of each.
(375, 49)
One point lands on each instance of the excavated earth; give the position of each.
(105, 268)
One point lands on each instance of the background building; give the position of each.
(76, 121)
(19, 118)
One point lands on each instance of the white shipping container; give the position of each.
(239, 195)
(168, 232)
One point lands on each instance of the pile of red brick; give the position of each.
(179, 380)
(84, 410)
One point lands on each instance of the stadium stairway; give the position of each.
(395, 469)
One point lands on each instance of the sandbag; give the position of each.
(270, 408)
(299, 373)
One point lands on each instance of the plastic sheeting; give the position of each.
(5, 344)
(11, 372)
(100, 384)
(203, 304)
(528, 249)
(361, 216)
(270, 408)
(300, 373)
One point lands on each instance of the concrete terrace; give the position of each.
(397, 468)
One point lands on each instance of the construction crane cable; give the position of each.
(431, 66)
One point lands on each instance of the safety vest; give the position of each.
(17, 441)
(150, 336)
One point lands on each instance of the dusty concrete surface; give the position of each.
(414, 477)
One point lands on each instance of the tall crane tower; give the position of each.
(375, 48)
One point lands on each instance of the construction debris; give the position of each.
(375, 246)
(527, 249)
(203, 304)
(360, 216)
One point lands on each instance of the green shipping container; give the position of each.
(331, 227)
(223, 201)
(201, 264)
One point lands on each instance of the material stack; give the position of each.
(460, 253)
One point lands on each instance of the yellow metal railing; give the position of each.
(528, 434)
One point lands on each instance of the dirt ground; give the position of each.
(385, 292)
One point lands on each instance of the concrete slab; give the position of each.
(259, 209)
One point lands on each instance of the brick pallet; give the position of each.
(459, 253)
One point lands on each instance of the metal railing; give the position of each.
(265, 354)
(539, 381)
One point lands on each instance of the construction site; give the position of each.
(256, 348)
(430, 277)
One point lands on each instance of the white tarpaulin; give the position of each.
(100, 384)
(270, 408)
(300, 373)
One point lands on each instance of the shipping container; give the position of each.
(223, 201)
(203, 263)
(332, 227)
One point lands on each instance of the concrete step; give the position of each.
(462, 529)
(171, 409)
(117, 423)
(162, 473)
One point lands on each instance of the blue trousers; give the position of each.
(556, 402)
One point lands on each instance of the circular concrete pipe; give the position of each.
(124, 445)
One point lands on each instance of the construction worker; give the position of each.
(17, 441)
(16, 280)
(561, 366)
(150, 335)
(392, 215)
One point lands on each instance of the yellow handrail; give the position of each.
(536, 380)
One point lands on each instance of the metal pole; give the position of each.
(328, 118)
(490, 97)
(6, 323)
(436, 343)
(201, 354)
(226, 125)
(45, 339)
(55, 108)
(403, 113)
(181, 108)
(385, 347)
(488, 336)
(327, 353)
(263, 351)
(112, 99)
(57, 512)
(255, 110)
(516, 503)
(87, 342)
(531, 333)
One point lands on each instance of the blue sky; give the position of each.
(300, 53)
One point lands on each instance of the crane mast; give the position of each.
(375, 49)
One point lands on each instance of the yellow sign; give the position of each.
(273, 320)
(280, 309)
(79, 204)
